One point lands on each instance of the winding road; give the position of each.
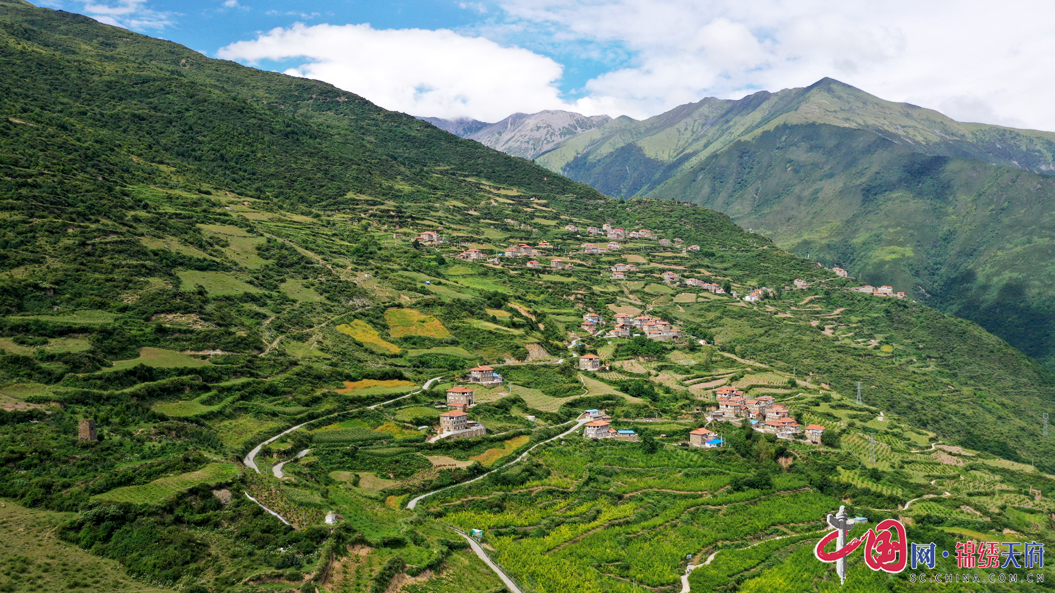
(250, 460)
(490, 563)
(578, 424)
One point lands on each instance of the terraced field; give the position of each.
(159, 358)
(163, 488)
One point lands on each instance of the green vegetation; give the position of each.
(134, 166)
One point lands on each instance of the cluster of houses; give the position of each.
(885, 291)
(652, 327)
(763, 413)
(590, 322)
(455, 423)
(600, 427)
(757, 295)
(591, 249)
(708, 286)
(619, 270)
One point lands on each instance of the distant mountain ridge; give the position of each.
(461, 127)
(522, 134)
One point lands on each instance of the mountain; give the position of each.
(461, 127)
(959, 215)
(521, 134)
(232, 304)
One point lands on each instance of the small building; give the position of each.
(606, 227)
(866, 289)
(884, 291)
(594, 230)
(593, 318)
(618, 276)
(693, 248)
(86, 431)
(840, 272)
(557, 263)
(613, 246)
(471, 254)
(461, 396)
(428, 237)
(534, 264)
(777, 412)
(814, 432)
(713, 443)
(621, 330)
(800, 283)
(727, 392)
(598, 429)
(664, 242)
(670, 277)
(589, 327)
(456, 425)
(590, 249)
(590, 362)
(624, 435)
(700, 436)
(571, 228)
(678, 241)
(484, 375)
(453, 421)
(594, 414)
(544, 245)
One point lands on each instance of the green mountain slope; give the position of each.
(200, 257)
(898, 195)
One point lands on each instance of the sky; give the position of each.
(977, 61)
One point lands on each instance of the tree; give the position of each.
(649, 444)
(830, 438)
(727, 286)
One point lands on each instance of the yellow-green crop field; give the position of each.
(408, 322)
(367, 336)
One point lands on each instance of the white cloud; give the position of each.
(972, 60)
(435, 73)
(128, 14)
(230, 4)
(975, 60)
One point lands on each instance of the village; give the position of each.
(762, 413)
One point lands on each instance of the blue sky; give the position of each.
(981, 61)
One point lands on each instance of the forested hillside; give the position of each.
(226, 271)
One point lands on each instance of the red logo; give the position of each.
(885, 547)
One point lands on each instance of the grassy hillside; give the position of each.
(199, 256)
(956, 214)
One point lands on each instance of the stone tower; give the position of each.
(87, 431)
